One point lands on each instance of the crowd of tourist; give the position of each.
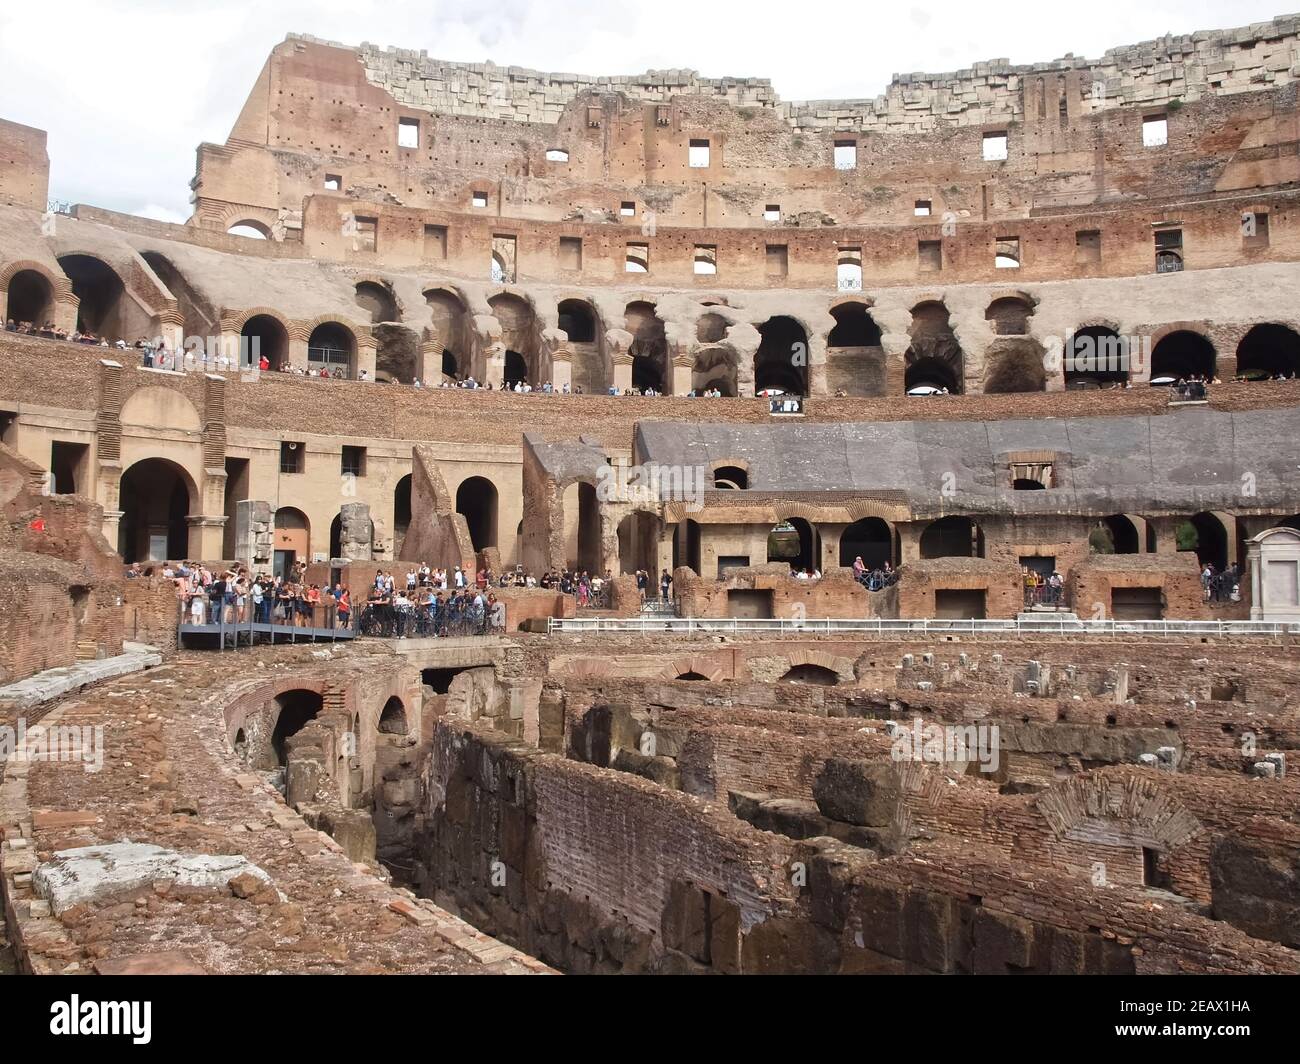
(1221, 585)
(50, 331)
(236, 596)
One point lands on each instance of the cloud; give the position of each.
(127, 90)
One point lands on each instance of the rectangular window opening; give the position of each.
(408, 133)
(1155, 131)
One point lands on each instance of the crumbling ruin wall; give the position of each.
(437, 534)
(60, 582)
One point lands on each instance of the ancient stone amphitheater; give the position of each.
(1005, 363)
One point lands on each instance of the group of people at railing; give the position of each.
(237, 597)
(1043, 589)
(1221, 585)
(50, 331)
(877, 579)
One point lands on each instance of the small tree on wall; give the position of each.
(1185, 536)
(1101, 541)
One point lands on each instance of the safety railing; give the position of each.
(1046, 625)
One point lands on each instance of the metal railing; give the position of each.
(877, 626)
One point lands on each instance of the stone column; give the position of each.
(622, 371)
(355, 535)
(562, 368)
(169, 325)
(298, 335)
(253, 532)
(909, 543)
(207, 536)
(430, 367)
(365, 360)
(683, 370)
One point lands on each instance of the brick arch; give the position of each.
(710, 669)
(237, 214)
(1201, 328)
(60, 286)
(1013, 293)
(809, 512)
(847, 300)
(841, 666)
(889, 512)
(237, 712)
(360, 333)
(1140, 800)
(236, 320)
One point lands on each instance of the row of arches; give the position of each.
(157, 499)
(934, 361)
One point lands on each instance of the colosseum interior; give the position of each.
(881, 523)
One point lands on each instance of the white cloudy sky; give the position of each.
(127, 90)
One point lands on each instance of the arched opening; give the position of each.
(577, 321)
(781, 362)
(446, 326)
(816, 675)
(690, 676)
(1269, 351)
(577, 318)
(692, 559)
(1204, 533)
(870, 539)
(588, 558)
(731, 477)
(397, 353)
(796, 543)
(638, 543)
(516, 371)
(711, 329)
(336, 537)
(518, 333)
(649, 348)
(263, 335)
(377, 301)
(200, 317)
(854, 327)
(331, 348)
(1182, 355)
(476, 500)
(296, 709)
(1010, 315)
(1116, 534)
(1014, 366)
(855, 364)
(952, 537)
(31, 298)
(292, 539)
(250, 228)
(934, 359)
(101, 292)
(392, 720)
(155, 498)
(930, 375)
(715, 370)
(401, 513)
(1095, 357)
